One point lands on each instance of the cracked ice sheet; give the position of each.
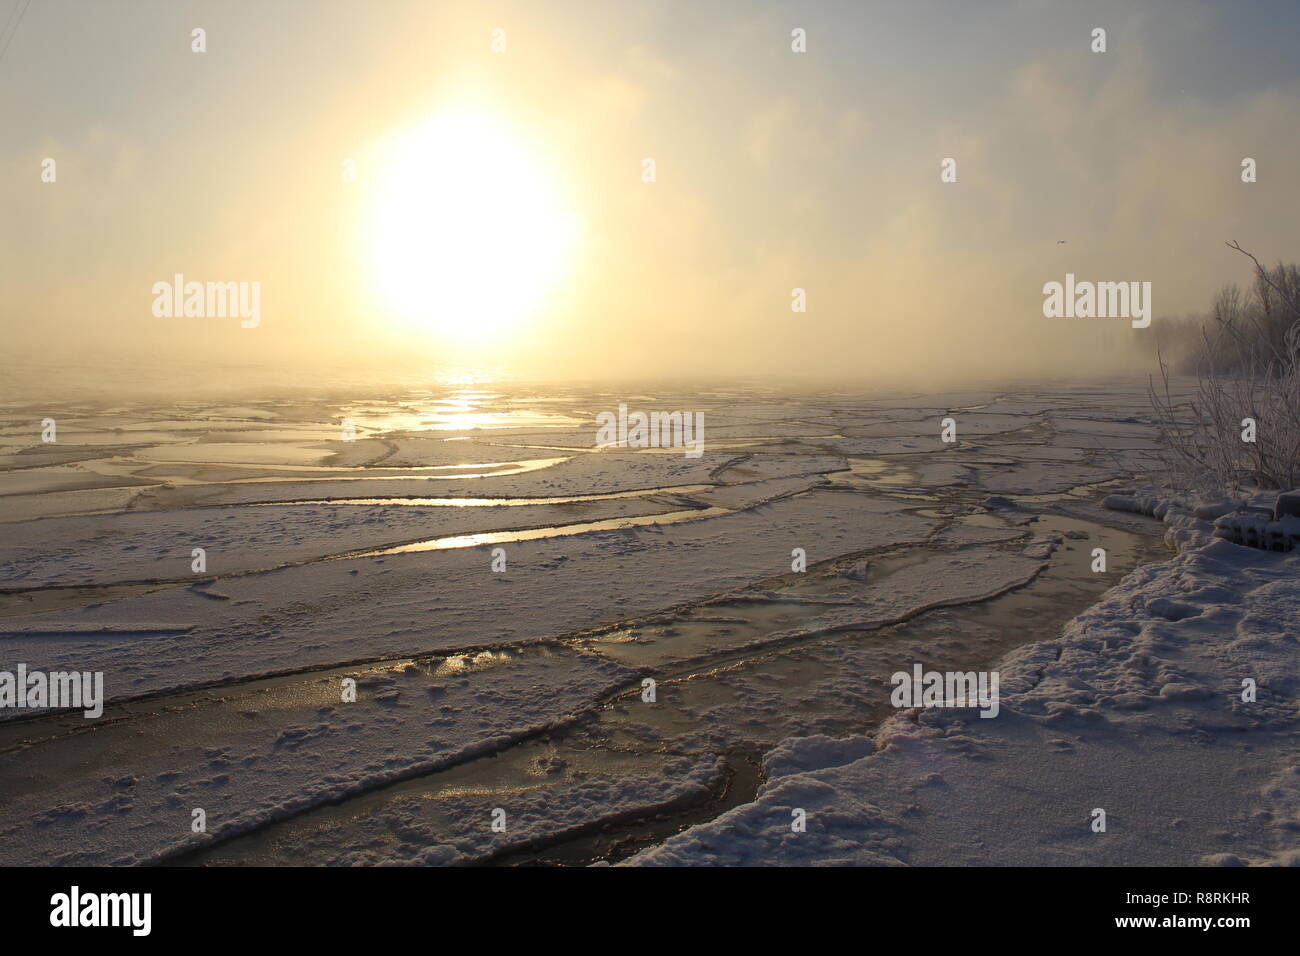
(761, 467)
(1046, 452)
(884, 446)
(246, 761)
(1136, 709)
(944, 400)
(742, 702)
(148, 546)
(1041, 477)
(784, 617)
(450, 826)
(585, 439)
(137, 546)
(400, 605)
(971, 575)
(583, 474)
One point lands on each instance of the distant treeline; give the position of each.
(1244, 332)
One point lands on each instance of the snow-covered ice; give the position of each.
(677, 653)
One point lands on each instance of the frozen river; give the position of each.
(559, 651)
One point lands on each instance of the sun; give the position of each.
(469, 234)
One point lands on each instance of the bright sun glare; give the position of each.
(468, 234)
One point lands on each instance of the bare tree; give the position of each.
(1248, 373)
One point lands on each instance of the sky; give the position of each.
(774, 170)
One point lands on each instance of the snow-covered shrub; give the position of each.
(1241, 428)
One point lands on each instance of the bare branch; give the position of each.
(1263, 274)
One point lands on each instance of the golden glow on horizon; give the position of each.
(468, 234)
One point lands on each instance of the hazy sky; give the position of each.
(774, 170)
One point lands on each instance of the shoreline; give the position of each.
(1136, 702)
